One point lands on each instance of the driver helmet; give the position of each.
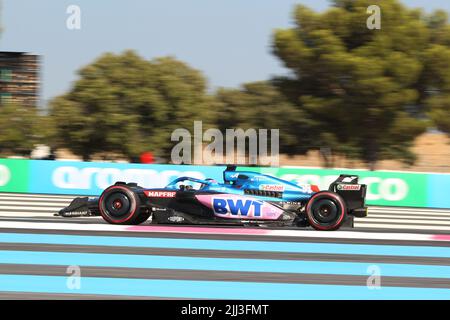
(209, 180)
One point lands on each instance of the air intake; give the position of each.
(264, 193)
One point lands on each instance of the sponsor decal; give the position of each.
(438, 187)
(160, 194)
(175, 219)
(14, 175)
(238, 207)
(5, 175)
(349, 187)
(75, 213)
(232, 206)
(91, 178)
(271, 187)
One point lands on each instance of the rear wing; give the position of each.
(343, 179)
(354, 194)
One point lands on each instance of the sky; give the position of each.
(228, 40)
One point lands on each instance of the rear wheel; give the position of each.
(326, 211)
(119, 204)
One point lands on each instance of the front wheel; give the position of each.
(326, 211)
(120, 204)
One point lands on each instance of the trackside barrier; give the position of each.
(385, 188)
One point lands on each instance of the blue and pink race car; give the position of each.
(243, 198)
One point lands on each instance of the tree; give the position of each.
(259, 105)
(366, 90)
(20, 129)
(125, 104)
(1, 26)
(437, 77)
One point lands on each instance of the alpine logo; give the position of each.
(160, 194)
(349, 187)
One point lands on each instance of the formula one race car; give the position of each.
(243, 198)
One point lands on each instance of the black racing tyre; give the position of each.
(326, 211)
(119, 204)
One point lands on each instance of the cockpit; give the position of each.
(188, 183)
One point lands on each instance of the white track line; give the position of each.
(416, 213)
(404, 217)
(35, 200)
(29, 208)
(51, 196)
(27, 214)
(357, 235)
(405, 221)
(397, 209)
(406, 208)
(400, 226)
(37, 204)
(48, 217)
(230, 231)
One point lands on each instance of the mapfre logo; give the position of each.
(160, 194)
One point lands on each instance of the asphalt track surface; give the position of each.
(38, 254)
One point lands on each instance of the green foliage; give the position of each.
(260, 105)
(20, 129)
(437, 98)
(368, 91)
(125, 104)
(362, 93)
